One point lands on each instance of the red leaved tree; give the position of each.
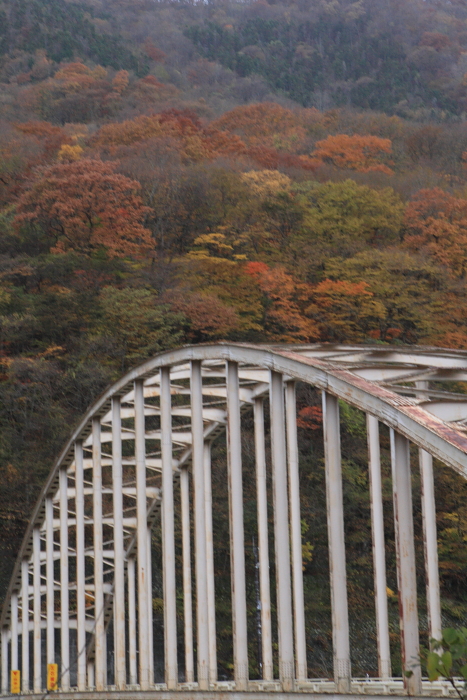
(310, 417)
(208, 317)
(85, 206)
(285, 299)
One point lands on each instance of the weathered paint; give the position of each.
(405, 560)
(379, 556)
(336, 543)
(168, 536)
(200, 525)
(237, 552)
(263, 539)
(281, 532)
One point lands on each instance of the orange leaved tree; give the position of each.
(85, 206)
(436, 223)
(285, 298)
(362, 153)
(264, 124)
(182, 127)
(344, 311)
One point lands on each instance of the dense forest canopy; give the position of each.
(254, 171)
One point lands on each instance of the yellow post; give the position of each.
(52, 676)
(15, 682)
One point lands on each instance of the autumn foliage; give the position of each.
(265, 124)
(208, 317)
(344, 310)
(436, 222)
(284, 318)
(243, 209)
(310, 417)
(84, 206)
(362, 153)
(168, 186)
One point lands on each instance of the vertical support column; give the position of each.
(119, 554)
(186, 557)
(80, 568)
(150, 616)
(197, 430)
(335, 515)
(430, 538)
(168, 534)
(104, 653)
(405, 553)
(263, 540)
(64, 584)
(210, 565)
(91, 674)
(99, 627)
(5, 674)
(50, 585)
(379, 557)
(25, 626)
(14, 631)
(237, 551)
(296, 533)
(114, 623)
(36, 559)
(281, 533)
(141, 535)
(132, 621)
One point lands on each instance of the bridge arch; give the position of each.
(83, 574)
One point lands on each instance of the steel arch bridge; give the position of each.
(82, 580)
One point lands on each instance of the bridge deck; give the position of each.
(394, 689)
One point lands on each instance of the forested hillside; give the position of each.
(269, 172)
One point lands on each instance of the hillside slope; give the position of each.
(267, 172)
